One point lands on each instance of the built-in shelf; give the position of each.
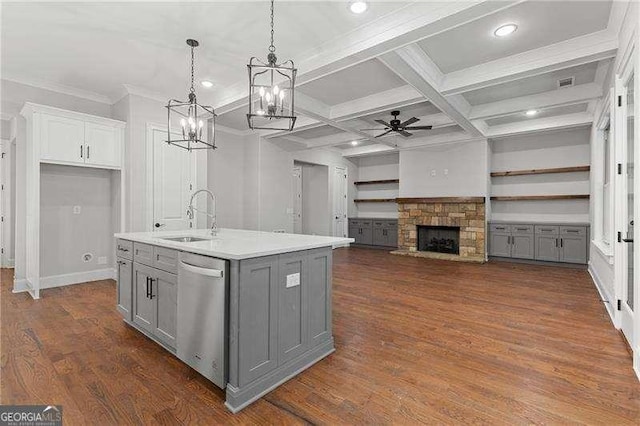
(374, 182)
(375, 200)
(542, 171)
(540, 197)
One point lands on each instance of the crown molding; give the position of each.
(59, 88)
(130, 89)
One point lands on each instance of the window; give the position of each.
(606, 189)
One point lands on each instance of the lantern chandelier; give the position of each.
(271, 91)
(192, 117)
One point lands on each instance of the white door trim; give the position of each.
(345, 209)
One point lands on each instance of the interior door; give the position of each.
(297, 199)
(340, 202)
(173, 183)
(627, 305)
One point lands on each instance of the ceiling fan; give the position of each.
(396, 126)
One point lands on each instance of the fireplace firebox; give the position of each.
(439, 239)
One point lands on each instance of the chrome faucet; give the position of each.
(191, 210)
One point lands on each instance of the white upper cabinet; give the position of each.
(66, 137)
(103, 145)
(62, 139)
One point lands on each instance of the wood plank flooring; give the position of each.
(418, 341)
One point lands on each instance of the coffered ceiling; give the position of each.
(437, 61)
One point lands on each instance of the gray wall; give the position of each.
(378, 167)
(465, 165)
(66, 236)
(14, 95)
(316, 213)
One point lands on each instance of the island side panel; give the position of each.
(264, 355)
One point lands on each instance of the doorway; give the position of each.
(314, 210)
(297, 199)
(171, 178)
(340, 202)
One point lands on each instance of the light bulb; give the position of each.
(183, 123)
(262, 91)
(276, 89)
(282, 95)
(200, 124)
(268, 97)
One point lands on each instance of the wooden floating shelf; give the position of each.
(373, 182)
(440, 200)
(540, 197)
(375, 200)
(542, 171)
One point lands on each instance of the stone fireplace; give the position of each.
(429, 227)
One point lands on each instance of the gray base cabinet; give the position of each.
(543, 242)
(374, 232)
(124, 287)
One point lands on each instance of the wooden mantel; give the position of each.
(440, 200)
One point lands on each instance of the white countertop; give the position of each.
(236, 244)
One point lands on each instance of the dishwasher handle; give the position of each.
(202, 271)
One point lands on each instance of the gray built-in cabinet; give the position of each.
(374, 232)
(565, 243)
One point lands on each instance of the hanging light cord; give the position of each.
(272, 48)
(192, 90)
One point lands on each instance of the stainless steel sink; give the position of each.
(185, 239)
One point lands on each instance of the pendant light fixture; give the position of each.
(193, 118)
(271, 91)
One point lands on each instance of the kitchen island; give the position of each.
(247, 309)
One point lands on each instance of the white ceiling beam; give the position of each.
(332, 140)
(577, 51)
(554, 98)
(413, 65)
(542, 124)
(443, 139)
(361, 151)
(378, 102)
(302, 123)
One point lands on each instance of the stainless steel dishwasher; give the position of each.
(203, 284)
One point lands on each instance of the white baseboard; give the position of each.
(77, 278)
(607, 299)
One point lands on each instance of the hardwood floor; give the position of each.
(418, 341)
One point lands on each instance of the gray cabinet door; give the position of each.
(143, 305)
(499, 244)
(392, 236)
(124, 288)
(379, 236)
(164, 293)
(547, 247)
(522, 246)
(257, 318)
(366, 235)
(319, 311)
(292, 305)
(353, 232)
(573, 249)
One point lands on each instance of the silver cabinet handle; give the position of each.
(202, 271)
(81, 150)
(122, 249)
(88, 152)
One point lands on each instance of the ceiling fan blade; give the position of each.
(382, 134)
(410, 121)
(419, 128)
(384, 123)
(386, 128)
(403, 133)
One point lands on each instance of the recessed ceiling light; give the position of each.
(354, 143)
(505, 30)
(531, 112)
(206, 83)
(358, 7)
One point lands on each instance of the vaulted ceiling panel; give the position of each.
(549, 112)
(318, 132)
(540, 23)
(528, 86)
(364, 79)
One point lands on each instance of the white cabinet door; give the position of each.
(62, 139)
(102, 145)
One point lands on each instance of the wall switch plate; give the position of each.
(77, 209)
(293, 280)
(433, 172)
(446, 171)
(102, 260)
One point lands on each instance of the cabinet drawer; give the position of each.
(391, 223)
(124, 249)
(166, 259)
(500, 227)
(366, 223)
(143, 253)
(547, 229)
(522, 229)
(379, 223)
(573, 230)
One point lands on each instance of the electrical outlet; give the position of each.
(102, 260)
(77, 209)
(446, 171)
(293, 280)
(433, 172)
